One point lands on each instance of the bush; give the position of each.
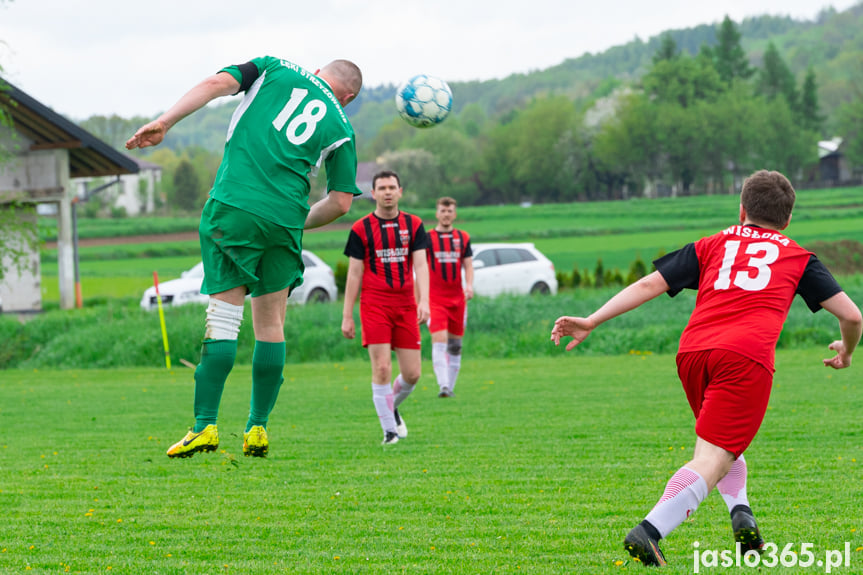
(119, 334)
(341, 275)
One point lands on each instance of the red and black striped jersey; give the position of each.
(446, 253)
(386, 247)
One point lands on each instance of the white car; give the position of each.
(512, 268)
(319, 286)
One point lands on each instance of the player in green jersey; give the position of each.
(289, 123)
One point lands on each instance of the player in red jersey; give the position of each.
(385, 249)
(449, 251)
(746, 277)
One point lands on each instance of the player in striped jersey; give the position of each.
(449, 251)
(746, 277)
(385, 249)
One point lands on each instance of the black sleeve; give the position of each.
(355, 247)
(421, 239)
(250, 73)
(679, 269)
(468, 251)
(817, 284)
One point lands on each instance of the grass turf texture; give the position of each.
(537, 466)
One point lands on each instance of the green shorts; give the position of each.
(240, 249)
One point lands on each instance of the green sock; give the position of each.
(217, 359)
(268, 364)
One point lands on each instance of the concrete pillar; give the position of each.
(65, 254)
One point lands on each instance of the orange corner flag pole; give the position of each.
(162, 321)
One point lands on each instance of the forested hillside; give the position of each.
(688, 111)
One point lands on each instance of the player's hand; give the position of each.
(841, 360)
(578, 328)
(468, 293)
(348, 329)
(149, 135)
(423, 312)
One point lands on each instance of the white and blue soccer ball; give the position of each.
(424, 101)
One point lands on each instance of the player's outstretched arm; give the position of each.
(352, 290)
(221, 84)
(627, 299)
(850, 328)
(324, 211)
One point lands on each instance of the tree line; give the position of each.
(697, 120)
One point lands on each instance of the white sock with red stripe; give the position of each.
(439, 364)
(732, 487)
(684, 492)
(401, 390)
(382, 396)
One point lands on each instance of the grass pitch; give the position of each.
(538, 465)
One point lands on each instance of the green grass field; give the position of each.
(537, 466)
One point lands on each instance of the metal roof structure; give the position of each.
(88, 155)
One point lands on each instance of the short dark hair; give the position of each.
(768, 198)
(385, 174)
(446, 201)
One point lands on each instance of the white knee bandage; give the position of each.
(223, 320)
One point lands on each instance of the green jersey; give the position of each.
(287, 125)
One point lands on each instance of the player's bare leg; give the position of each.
(380, 355)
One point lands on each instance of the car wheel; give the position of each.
(318, 295)
(540, 288)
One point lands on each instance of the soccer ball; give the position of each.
(424, 101)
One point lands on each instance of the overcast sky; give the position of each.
(137, 58)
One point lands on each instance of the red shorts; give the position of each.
(396, 326)
(728, 394)
(450, 316)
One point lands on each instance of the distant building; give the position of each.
(832, 165)
(135, 193)
(47, 153)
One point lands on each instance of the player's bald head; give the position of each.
(345, 78)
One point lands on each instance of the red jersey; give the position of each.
(386, 247)
(746, 278)
(447, 251)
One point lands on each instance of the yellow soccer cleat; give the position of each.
(255, 442)
(207, 440)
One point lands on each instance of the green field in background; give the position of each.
(569, 234)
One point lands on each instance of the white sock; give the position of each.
(453, 365)
(439, 357)
(382, 396)
(401, 390)
(684, 492)
(732, 487)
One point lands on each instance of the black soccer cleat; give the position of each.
(401, 426)
(390, 437)
(745, 529)
(642, 547)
